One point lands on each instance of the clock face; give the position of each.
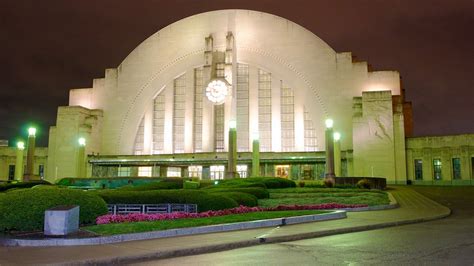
(217, 91)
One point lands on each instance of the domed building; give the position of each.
(167, 109)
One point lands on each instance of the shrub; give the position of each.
(241, 198)
(260, 193)
(190, 185)
(164, 184)
(205, 201)
(206, 183)
(363, 183)
(5, 187)
(264, 182)
(23, 210)
(328, 182)
(301, 184)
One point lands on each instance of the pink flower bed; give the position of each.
(139, 217)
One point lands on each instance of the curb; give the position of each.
(338, 214)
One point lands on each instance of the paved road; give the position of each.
(448, 241)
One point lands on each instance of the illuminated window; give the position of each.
(217, 172)
(437, 169)
(282, 171)
(310, 143)
(242, 107)
(195, 171)
(219, 127)
(178, 113)
(139, 139)
(159, 124)
(456, 168)
(265, 110)
(145, 171)
(287, 120)
(198, 96)
(418, 169)
(123, 171)
(242, 170)
(173, 172)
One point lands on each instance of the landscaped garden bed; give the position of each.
(308, 196)
(136, 227)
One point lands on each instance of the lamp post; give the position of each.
(30, 155)
(255, 155)
(81, 163)
(337, 154)
(20, 147)
(329, 176)
(232, 153)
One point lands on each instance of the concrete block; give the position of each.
(61, 220)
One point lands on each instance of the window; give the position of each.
(282, 171)
(41, 171)
(178, 113)
(309, 133)
(287, 120)
(123, 171)
(242, 170)
(145, 171)
(242, 107)
(173, 172)
(265, 110)
(437, 169)
(418, 169)
(217, 172)
(198, 95)
(220, 70)
(456, 168)
(11, 172)
(219, 127)
(159, 124)
(195, 171)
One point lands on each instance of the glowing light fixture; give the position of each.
(329, 123)
(20, 145)
(31, 131)
(255, 136)
(232, 124)
(337, 136)
(82, 141)
(216, 182)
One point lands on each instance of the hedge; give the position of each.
(190, 185)
(23, 210)
(170, 183)
(7, 186)
(240, 197)
(260, 193)
(265, 182)
(205, 201)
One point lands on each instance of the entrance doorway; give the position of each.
(282, 171)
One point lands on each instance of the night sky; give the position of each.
(48, 47)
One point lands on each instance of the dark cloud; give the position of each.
(48, 47)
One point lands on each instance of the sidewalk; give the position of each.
(413, 208)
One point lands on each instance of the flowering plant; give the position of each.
(141, 217)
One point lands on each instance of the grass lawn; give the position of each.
(136, 227)
(308, 196)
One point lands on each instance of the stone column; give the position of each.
(19, 161)
(232, 152)
(30, 156)
(329, 151)
(337, 154)
(255, 157)
(81, 158)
